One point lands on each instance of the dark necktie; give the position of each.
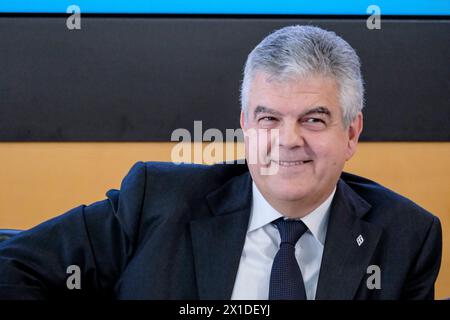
(286, 281)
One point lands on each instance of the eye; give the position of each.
(267, 119)
(314, 123)
(314, 120)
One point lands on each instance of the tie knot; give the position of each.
(290, 230)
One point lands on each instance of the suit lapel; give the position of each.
(344, 261)
(218, 240)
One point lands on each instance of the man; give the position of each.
(290, 225)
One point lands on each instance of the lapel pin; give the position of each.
(359, 240)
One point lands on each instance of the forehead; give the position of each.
(293, 93)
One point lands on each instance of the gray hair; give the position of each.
(299, 51)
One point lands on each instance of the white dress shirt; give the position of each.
(262, 243)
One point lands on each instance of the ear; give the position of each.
(353, 131)
(242, 120)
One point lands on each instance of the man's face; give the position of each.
(313, 143)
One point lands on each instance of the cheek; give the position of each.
(329, 152)
(265, 144)
(258, 146)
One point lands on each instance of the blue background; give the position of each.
(357, 7)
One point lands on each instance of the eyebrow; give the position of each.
(262, 109)
(318, 109)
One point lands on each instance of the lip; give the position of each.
(293, 163)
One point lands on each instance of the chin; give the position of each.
(288, 193)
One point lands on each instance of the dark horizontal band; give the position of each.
(140, 77)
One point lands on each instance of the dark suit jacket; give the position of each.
(177, 232)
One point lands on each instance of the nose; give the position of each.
(291, 136)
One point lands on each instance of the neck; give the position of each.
(299, 208)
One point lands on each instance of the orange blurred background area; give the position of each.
(43, 180)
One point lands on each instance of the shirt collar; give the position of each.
(263, 213)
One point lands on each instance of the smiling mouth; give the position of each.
(291, 163)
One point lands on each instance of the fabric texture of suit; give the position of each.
(177, 232)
